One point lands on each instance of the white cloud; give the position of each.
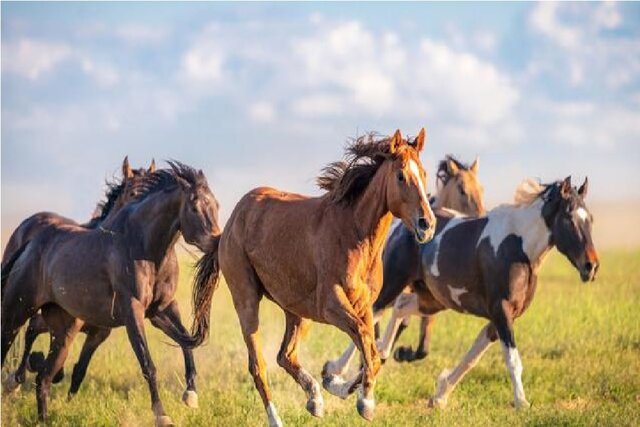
(136, 33)
(104, 75)
(473, 89)
(544, 19)
(32, 58)
(204, 62)
(319, 105)
(262, 112)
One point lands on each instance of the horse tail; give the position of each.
(7, 266)
(206, 282)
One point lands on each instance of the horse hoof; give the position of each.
(365, 408)
(58, 376)
(335, 385)
(521, 404)
(190, 398)
(331, 368)
(164, 421)
(315, 406)
(11, 385)
(437, 402)
(36, 361)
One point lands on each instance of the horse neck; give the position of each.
(372, 216)
(528, 222)
(155, 220)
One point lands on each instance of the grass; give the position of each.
(580, 346)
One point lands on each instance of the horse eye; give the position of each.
(400, 176)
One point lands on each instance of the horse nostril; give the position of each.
(588, 266)
(423, 224)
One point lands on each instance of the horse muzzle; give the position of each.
(588, 271)
(424, 230)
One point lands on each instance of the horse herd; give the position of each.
(338, 259)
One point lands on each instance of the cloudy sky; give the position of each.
(266, 94)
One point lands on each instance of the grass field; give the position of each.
(580, 346)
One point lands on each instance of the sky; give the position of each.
(266, 94)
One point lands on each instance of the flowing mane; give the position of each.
(163, 179)
(442, 175)
(529, 190)
(345, 180)
(113, 191)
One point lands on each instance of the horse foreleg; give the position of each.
(95, 337)
(288, 359)
(406, 305)
(448, 379)
(340, 311)
(137, 338)
(169, 321)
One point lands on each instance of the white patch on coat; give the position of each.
(456, 293)
(433, 269)
(415, 170)
(523, 221)
(582, 213)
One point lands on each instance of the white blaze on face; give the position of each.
(415, 171)
(582, 213)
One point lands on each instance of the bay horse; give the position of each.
(458, 188)
(117, 195)
(106, 277)
(320, 258)
(488, 267)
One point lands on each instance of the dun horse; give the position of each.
(459, 189)
(118, 194)
(106, 277)
(320, 258)
(488, 267)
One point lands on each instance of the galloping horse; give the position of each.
(107, 277)
(118, 194)
(488, 267)
(320, 258)
(458, 188)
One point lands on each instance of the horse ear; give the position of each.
(582, 191)
(452, 167)
(126, 169)
(152, 166)
(418, 143)
(565, 187)
(396, 141)
(475, 165)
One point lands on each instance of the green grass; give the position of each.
(580, 347)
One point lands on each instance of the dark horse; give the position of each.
(118, 194)
(106, 277)
(320, 258)
(459, 189)
(488, 267)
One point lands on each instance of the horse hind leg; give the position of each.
(63, 328)
(169, 322)
(36, 327)
(95, 337)
(296, 328)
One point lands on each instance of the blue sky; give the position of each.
(266, 94)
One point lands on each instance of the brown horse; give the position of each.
(458, 188)
(118, 194)
(320, 258)
(107, 277)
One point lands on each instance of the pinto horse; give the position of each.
(488, 267)
(106, 277)
(458, 188)
(320, 258)
(118, 194)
